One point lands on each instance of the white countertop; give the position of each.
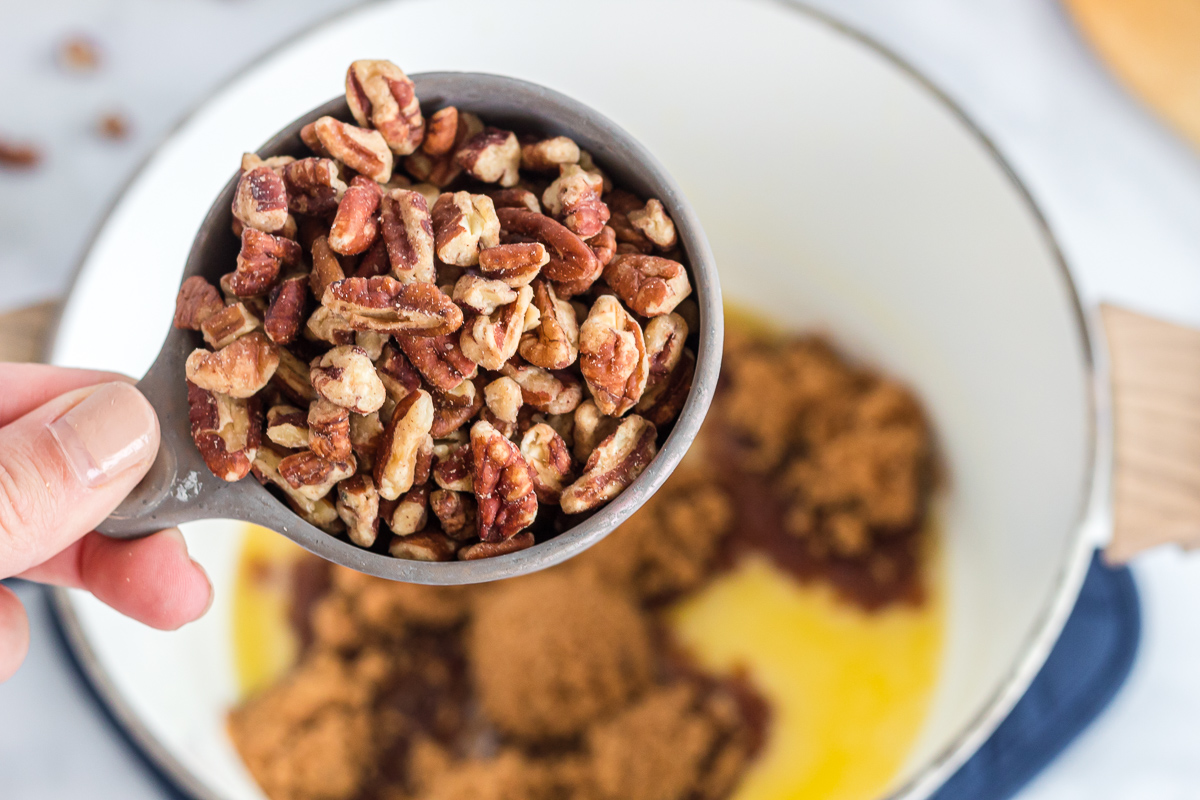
(1121, 192)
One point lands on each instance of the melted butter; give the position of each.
(848, 689)
(264, 645)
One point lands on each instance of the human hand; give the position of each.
(73, 443)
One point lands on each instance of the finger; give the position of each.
(65, 465)
(152, 579)
(14, 633)
(27, 386)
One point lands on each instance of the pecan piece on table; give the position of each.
(396, 461)
(522, 541)
(260, 200)
(515, 264)
(329, 430)
(239, 369)
(649, 285)
(355, 226)
(439, 359)
(313, 477)
(411, 511)
(287, 426)
(260, 260)
(575, 198)
(285, 314)
(547, 155)
(463, 224)
(358, 507)
(654, 224)
(424, 546)
(346, 377)
(381, 95)
(408, 235)
(550, 461)
(613, 465)
(492, 339)
(504, 490)
(227, 431)
(612, 356)
(554, 343)
(313, 186)
(385, 304)
(492, 156)
(229, 324)
(197, 301)
(362, 150)
(571, 260)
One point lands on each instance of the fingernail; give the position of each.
(108, 432)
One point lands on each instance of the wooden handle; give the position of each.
(24, 333)
(1155, 368)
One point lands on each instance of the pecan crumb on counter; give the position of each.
(18, 155)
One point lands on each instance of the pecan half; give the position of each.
(374, 262)
(386, 304)
(287, 426)
(260, 200)
(366, 431)
(380, 94)
(663, 401)
(325, 326)
(547, 155)
(411, 513)
(612, 356)
(311, 476)
(321, 513)
(491, 156)
(503, 485)
(408, 235)
(454, 468)
(554, 343)
(274, 163)
(515, 264)
(260, 260)
(401, 445)
(361, 150)
(455, 511)
(197, 301)
(291, 377)
(571, 260)
(398, 375)
(515, 198)
(522, 541)
(604, 245)
(550, 461)
(355, 227)
(313, 186)
(326, 269)
(620, 205)
(452, 410)
(503, 398)
(665, 336)
(439, 359)
(358, 506)
(649, 285)
(492, 339)
(464, 223)
(441, 170)
(589, 428)
(549, 392)
(613, 465)
(229, 463)
(239, 369)
(346, 377)
(424, 546)
(229, 324)
(481, 295)
(285, 314)
(329, 430)
(441, 131)
(654, 224)
(575, 197)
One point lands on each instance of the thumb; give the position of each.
(66, 465)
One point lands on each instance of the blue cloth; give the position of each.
(1085, 670)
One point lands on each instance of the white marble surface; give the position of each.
(1121, 192)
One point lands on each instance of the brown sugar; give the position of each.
(550, 653)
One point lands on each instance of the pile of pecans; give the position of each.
(416, 354)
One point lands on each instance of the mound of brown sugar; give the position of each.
(551, 653)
